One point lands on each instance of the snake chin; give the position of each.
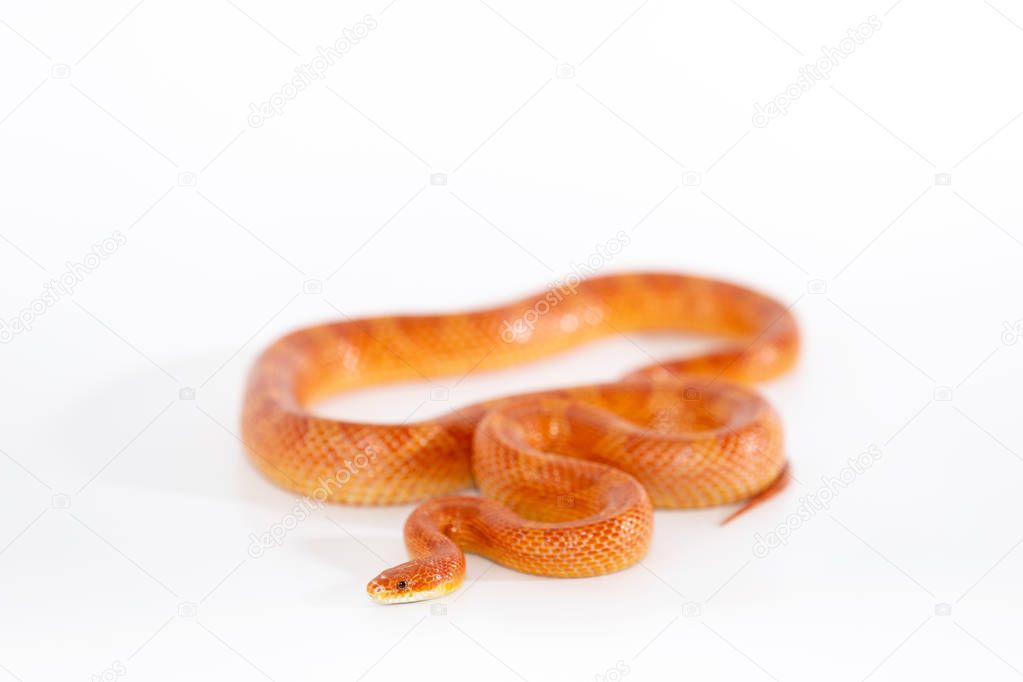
(382, 594)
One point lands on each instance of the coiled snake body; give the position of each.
(569, 478)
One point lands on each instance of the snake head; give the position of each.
(410, 582)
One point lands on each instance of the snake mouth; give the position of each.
(381, 594)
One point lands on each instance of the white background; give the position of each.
(127, 511)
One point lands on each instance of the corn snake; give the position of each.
(568, 478)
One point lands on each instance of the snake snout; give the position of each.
(380, 591)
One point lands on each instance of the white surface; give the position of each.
(652, 136)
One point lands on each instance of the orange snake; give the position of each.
(569, 478)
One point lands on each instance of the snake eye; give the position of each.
(402, 585)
